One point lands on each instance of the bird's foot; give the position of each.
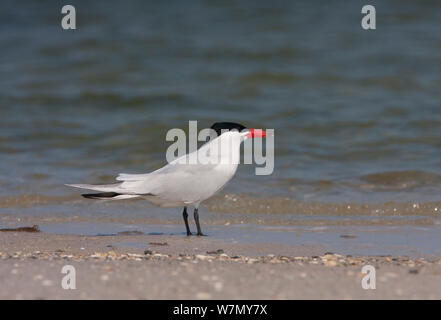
(200, 234)
(189, 234)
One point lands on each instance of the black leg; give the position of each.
(196, 219)
(185, 215)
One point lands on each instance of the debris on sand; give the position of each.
(34, 228)
(328, 259)
(218, 251)
(158, 243)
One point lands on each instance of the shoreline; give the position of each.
(415, 241)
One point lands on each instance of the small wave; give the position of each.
(30, 200)
(399, 180)
(261, 78)
(249, 204)
(241, 203)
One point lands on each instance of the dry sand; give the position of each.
(177, 267)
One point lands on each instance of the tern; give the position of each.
(186, 181)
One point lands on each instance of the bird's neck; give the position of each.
(224, 150)
(229, 149)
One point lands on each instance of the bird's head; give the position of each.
(222, 127)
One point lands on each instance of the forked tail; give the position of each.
(108, 192)
(109, 196)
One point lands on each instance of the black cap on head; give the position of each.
(219, 126)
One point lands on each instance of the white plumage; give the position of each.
(186, 181)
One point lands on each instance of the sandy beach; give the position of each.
(177, 267)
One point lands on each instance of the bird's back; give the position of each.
(186, 180)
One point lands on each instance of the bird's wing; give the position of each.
(187, 164)
(176, 180)
(171, 179)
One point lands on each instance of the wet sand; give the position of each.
(177, 267)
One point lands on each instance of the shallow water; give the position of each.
(356, 113)
(412, 241)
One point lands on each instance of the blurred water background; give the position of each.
(357, 114)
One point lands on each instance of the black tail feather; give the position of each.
(102, 195)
